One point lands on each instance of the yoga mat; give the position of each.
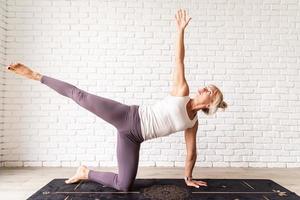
(168, 189)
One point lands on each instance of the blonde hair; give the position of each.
(216, 103)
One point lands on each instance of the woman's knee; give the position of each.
(124, 187)
(78, 95)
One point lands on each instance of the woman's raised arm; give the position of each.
(180, 86)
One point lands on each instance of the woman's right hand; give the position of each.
(182, 19)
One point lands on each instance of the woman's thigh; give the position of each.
(109, 110)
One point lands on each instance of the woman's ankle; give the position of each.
(87, 174)
(37, 76)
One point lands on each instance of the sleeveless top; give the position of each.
(165, 117)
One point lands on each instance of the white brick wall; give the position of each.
(2, 63)
(124, 50)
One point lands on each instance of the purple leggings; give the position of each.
(126, 120)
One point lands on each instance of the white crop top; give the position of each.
(166, 116)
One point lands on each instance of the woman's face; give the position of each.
(205, 94)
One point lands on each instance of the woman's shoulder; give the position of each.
(173, 96)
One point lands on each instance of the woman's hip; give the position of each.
(132, 129)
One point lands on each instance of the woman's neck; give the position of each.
(192, 107)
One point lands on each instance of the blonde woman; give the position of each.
(135, 124)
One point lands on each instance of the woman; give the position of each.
(135, 124)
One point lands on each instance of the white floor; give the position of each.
(20, 183)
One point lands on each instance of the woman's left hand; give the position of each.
(182, 19)
(196, 184)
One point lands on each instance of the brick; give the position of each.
(108, 48)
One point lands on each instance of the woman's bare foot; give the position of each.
(81, 174)
(23, 70)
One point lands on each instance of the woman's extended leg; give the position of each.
(109, 110)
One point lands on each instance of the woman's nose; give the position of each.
(202, 90)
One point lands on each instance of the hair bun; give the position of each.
(223, 105)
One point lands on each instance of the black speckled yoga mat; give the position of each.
(168, 189)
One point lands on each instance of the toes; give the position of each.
(8, 66)
(68, 181)
(71, 180)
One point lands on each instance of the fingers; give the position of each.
(181, 14)
(193, 184)
(176, 16)
(201, 183)
(196, 184)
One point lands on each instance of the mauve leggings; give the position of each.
(126, 120)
